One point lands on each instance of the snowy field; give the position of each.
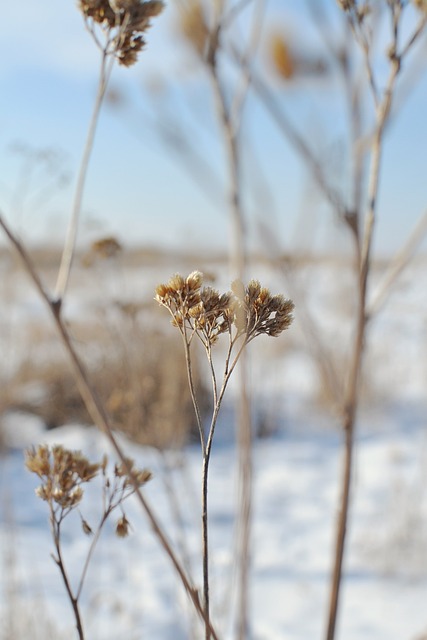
(132, 591)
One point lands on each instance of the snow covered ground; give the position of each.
(132, 591)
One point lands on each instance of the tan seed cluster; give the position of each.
(131, 18)
(131, 475)
(62, 473)
(260, 312)
(252, 310)
(122, 527)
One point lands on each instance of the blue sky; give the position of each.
(138, 188)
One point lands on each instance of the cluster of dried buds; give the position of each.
(63, 472)
(203, 311)
(128, 19)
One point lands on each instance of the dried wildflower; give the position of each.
(130, 474)
(122, 527)
(128, 19)
(62, 472)
(252, 310)
(38, 460)
(213, 315)
(179, 295)
(258, 312)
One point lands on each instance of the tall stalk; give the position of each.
(71, 236)
(203, 313)
(383, 106)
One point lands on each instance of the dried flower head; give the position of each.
(252, 310)
(122, 527)
(62, 472)
(127, 19)
(179, 295)
(130, 474)
(213, 315)
(258, 312)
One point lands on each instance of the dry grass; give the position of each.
(143, 384)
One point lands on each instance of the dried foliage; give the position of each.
(63, 473)
(242, 314)
(142, 381)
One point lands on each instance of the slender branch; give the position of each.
(56, 525)
(71, 237)
(193, 390)
(95, 539)
(352, 391)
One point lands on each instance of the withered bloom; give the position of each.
(252, 310)
(131, 474)
(213, 315)
(258, 312)
(179, 295)
(62, 472)
(122, 527)
(127, 19)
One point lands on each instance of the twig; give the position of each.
(70, 241)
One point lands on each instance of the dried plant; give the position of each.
(63, 474)
(121, 40)
(122, 24)
(203, 313)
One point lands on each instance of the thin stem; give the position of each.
(91, 550)
(56, 530)
(193, 390)
(230, 119)
(205, 474)
(71, 237)
(352, 392)
(205, 541)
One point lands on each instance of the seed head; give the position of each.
(62, 472)
(128, 19)
(179, 295)
(122, 527)
(257, 311)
